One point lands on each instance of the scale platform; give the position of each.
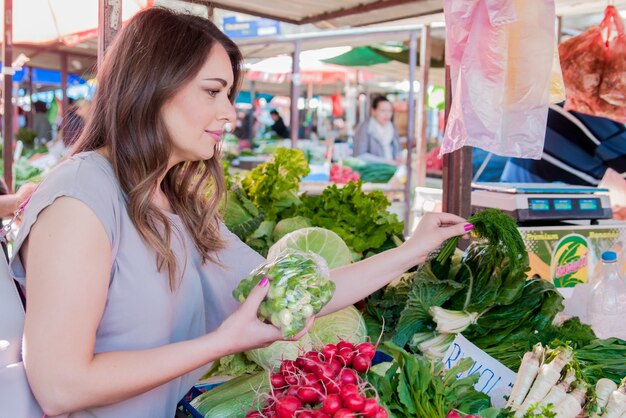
(538, 202)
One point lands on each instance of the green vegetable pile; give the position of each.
(414, 387)
(265, 205)
(483, 293)
(299, 288)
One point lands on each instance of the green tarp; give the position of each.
(370, 55)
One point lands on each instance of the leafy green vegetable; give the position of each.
(345, 324)
(360, 219)
(270, 357)
(273, 186)
(299, 288)
(322, 242)
(603, 358)
(413, 387)
(241, 217)
(288, 225)
(232, 365)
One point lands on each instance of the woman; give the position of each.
(376, 138)
(126, 307)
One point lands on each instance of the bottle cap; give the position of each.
(609, 256)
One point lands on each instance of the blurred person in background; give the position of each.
(376, 139)
(41, 124)
(279, 125)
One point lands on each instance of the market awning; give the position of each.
(372, 55)
(45, 77)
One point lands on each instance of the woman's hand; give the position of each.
(246, 331)
(431, 232)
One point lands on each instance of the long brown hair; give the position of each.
(157, 53)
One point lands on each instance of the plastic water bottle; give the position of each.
(607, 304)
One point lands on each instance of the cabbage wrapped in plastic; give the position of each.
(300, 287)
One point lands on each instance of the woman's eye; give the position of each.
(213, 93)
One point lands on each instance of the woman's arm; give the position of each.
(356, 281)
(68, 270)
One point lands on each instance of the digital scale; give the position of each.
(540, 202)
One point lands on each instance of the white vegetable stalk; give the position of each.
(526, 375)
(436, 347)
(558, 393)
(549, 374)
(616, 405)
(604, 387)
(452, 322)
(572, 405)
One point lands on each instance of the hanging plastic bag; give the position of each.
(501, 55)
(613, 85)
(557, 87)
(589, 58)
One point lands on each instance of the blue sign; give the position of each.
(253, 28)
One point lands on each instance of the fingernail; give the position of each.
(468, 227)
(264, 281)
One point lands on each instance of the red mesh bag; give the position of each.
(613, 85)
(593, 69)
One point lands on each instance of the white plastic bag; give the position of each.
(501, 56)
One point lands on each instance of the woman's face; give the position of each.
(383, 113)
(196, 115)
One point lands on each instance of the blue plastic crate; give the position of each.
(184, 404)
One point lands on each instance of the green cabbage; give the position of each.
(270, 357)
(346, 324)
(288, 225)
(322, 242)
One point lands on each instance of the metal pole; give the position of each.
(296, 80)
(422, 111)
(109, 22)
(64, 100)
(410, 132)
(7, 93)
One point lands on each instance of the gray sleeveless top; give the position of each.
(141, 311)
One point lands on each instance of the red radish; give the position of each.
(305, 414)
(345, 356)
(348, 390)
(309, 378)
(287, 367)
(292, 391)
(329, 351)
(254, 414)
(354, 402)
(361, 363)
(325, 371)
(331, 404)
(331, 386)
(453, 414)
(382, 413)
(277, 380)
(317, 413)
(345, 344)
(344, 413)
(348, 376)
(291, 379)
(472, 416)
(366, 349)
(336, 366)
(287, 406)
(307, 394)
(370, 408)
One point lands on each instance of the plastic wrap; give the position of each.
(299, 287)
(594, 65)
(501, 55)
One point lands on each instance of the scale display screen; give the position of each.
(588, 204)
(539, 204)
(562, 204)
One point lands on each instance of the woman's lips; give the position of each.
(216, 134)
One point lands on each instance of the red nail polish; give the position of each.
(264, 281)
(468, 227)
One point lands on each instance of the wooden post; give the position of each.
(422, 108)
(65, 104)
(109, 22)
(296, 80)
(7, 93)
(457, 171)
(410, 141)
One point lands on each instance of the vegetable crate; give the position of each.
(197, 390)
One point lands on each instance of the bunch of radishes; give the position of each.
(324, 384)
(343, 175)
